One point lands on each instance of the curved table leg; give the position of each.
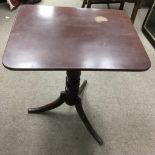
(49, 106)
(82, 87)
(86, 122)
(70, 96)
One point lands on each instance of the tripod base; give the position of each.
(71, 97)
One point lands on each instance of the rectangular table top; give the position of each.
(63, 38)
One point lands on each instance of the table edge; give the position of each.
(148, 66)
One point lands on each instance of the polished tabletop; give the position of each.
(64, 38)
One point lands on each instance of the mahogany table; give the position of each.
(74, 40)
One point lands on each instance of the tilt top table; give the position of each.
(74, 40)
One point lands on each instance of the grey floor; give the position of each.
(120, 105)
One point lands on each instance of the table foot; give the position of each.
(86, 122)
(49, 106)
(82, 87)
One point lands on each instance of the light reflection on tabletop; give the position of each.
(45, 12)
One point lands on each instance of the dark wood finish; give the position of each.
(87, 124)
(135, 10)
(122, 5)
(82, 87)
(59, 38)
(70, 96)
(122, 2)
(49, 106)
